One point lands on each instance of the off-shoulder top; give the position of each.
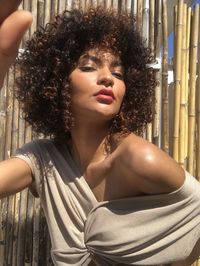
(142, 230)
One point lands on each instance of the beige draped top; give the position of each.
(145, 230)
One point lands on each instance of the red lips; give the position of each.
(107, 92)
(105, 96)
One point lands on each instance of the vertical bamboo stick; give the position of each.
(187, 78)
(54, 8)
(134, 8)
(145, 21)
(182, 92)
(156, 121)
(122, 6)
(198, 114)
(40, 9)
(129, 6)
(34, 13)
(36, 231)
(3, 202)
(177, 75)
(14, 143)
(175, 35)
(192, 90)
(145, 34)
(151, 25)
(139, 14)
(108, 3)
(61, 6)
(115, 4)
(165, 110)
(151, 45)
(47, 13)
(8, 141)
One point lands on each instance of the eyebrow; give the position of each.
(98, 61)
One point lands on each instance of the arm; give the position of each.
(13, 25)
(15, 175)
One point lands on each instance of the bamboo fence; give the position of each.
(24, 238)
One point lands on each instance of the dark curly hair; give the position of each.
(53, 52)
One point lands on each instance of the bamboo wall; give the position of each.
(24, 238)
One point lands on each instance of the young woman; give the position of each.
(109, 196)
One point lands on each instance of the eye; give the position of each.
(118, 75)
(87, 68)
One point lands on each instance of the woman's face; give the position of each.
(97, 85)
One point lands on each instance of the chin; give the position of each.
(106, 116)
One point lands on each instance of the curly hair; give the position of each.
(43, 86)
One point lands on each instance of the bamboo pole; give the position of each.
(10, 206)
(146, 31)
(151, 45)
(192, 90)
(145, 21)
(3, 202)
(128, 6)
(198, 114)
(151, 25)
(62, 6)
(47, 14)
(40, 9)
(139, 15)
(115, 4)
(54, 9)
(177, 79)
(165, 109)
(156, 121)
(134, 7)
(186, 79)
(183, 118)
(14, 143)
(175, 35)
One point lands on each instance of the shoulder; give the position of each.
(35, 145)
(153, 170)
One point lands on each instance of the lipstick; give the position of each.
(105, 95)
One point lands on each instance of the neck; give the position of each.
(88, 144)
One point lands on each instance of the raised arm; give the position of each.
(13, 25)
(15, 174)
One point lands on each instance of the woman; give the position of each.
(109, 196)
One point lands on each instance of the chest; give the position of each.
(110, 181)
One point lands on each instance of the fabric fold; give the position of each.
(144, 230)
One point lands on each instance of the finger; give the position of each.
(7, 7)
(12, 31)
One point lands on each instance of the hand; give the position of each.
(13, 25)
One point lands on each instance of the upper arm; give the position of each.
(153, 170)
(15, 175)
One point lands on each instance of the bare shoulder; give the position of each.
(147, 165)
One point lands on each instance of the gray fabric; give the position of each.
(145, 230)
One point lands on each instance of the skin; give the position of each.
(122, 173)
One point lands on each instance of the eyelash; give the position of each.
(90, 69)
(87, 68)
(118, 75)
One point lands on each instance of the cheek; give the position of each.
(83, 85)
(122, 91)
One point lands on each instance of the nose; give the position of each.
(105, 77)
